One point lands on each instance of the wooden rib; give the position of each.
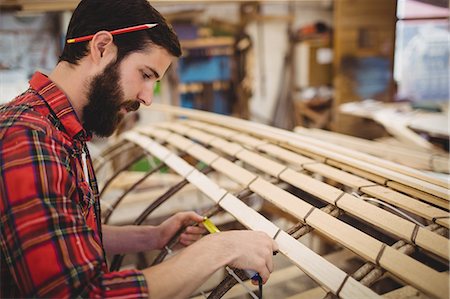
(371, 164)
(108, 155)
(315, 266)
(387, 221)
(360, 243)
(384, 193)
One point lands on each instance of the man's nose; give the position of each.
(146, 94)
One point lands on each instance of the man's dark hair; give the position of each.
(92, 16)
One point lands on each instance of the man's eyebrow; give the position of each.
(155, 73)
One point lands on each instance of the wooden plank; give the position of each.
(264, 164)
(359, 172)
(438, 282)
(407, 203)
(337, 175)
(312, 186)
(285, 155)
(241, 175)
(250, 217)
(419, 194)
(290, 203)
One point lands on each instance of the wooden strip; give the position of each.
(207, 156)
(251, 141)
(183, 168)
(331, 277)
(285, 155)
(156, 133)
(434, 281)
(427, 239)
(310, 185)
(243, 176)
(202, 182)
(419, 194)
(218, 131)
(290, 203)
(315, 265)
(264, 164)
(407, 203)
(182, 143)
(352, 181)
(250, 217)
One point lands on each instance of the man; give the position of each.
(52, 241)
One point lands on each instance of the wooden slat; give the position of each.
(407, 203)
(419, 194)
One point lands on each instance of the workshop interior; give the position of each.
(323, 123)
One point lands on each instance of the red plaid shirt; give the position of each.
(51, 243)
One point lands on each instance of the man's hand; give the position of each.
(169, 227)
(249, 250)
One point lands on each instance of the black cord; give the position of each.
(260, 287)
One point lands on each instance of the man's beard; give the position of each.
(102, 115)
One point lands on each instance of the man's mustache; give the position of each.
(130, 105)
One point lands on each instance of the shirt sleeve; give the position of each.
(49, 249)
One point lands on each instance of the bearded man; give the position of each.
(52, 241)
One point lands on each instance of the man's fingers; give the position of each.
(188, 217)
(195, 230)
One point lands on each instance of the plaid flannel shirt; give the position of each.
(51, 244)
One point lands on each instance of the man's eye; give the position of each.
(145, 75)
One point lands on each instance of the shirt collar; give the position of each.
(60, 104)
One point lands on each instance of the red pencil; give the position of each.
(114, 32)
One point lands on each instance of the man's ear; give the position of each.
(102, 46)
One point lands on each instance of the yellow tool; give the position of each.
(210, 227)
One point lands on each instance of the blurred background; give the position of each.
(357, 67)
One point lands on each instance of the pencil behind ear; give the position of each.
(101, 46)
